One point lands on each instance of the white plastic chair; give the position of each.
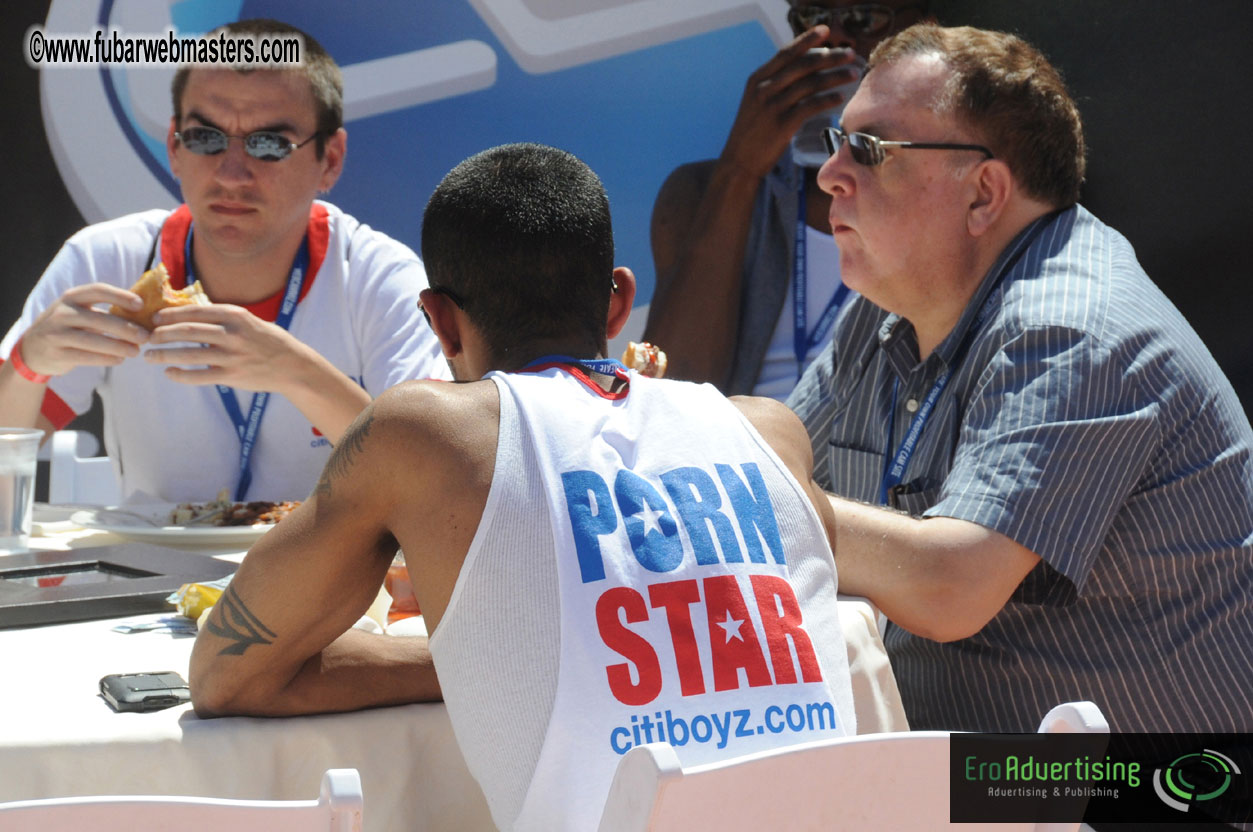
(897, 781)
(338, 809)
(76, 475)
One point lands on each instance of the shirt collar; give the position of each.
(899, 343)
(177, 226)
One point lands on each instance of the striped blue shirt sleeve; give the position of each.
(1050, 446)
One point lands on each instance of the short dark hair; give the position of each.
(521, 234)
(316, 64)
(1005, 90)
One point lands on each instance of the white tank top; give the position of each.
(646, 569)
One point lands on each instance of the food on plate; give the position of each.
(184, 513)
(154, 287)
(258, 511)
(645, 359)
(226, 512)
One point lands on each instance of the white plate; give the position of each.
(115, 519)
(48, 513)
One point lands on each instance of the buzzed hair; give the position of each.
(521, 234)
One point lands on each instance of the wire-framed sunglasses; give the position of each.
(870, 150)
(265, 145)
(865, 20)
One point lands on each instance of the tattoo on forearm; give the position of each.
(235, 622)
(345, 453)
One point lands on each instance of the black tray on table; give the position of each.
(100, 582)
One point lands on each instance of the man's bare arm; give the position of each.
(786, 435)
(702, 214)
(278, 642)
(938, 577)
(20, 399)
(699, 232)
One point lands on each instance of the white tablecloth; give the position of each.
(58, 737)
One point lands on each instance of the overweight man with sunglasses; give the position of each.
(307, 303)
(748, 279)
(1043, 478)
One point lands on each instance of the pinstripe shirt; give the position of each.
(1085, 420)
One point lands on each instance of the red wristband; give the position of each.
(15, 358)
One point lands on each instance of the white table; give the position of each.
(59, 738)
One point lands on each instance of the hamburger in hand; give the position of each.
(154, 287)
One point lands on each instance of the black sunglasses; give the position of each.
(265, 145)
(869, 150)
(861, 21)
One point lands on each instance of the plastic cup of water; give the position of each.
(18, 448)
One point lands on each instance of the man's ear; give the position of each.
(171, 145)
(333, 153)
(620, 301)
(440, 314)
(992, 187)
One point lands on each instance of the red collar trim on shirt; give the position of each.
(174, 244)
(621, 385)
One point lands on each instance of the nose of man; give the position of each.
(233, 164)
(834, 176)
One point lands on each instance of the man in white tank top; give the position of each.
(603, 560)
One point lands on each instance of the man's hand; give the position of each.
(781, 95)
(72, 332)
(239, 349)
(244, 352)
(701, 218)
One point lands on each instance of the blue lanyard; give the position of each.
(802, 339)
(247, 429)
(895, 464)
(603, 366)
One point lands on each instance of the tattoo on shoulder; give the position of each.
(236, 623)
(345, 453)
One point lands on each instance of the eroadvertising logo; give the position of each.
(1195, 778)
(1063, 778)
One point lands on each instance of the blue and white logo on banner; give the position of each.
(632, 87)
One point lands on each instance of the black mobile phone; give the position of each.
(144, 691)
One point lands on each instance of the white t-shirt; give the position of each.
(646, 569)
(779, 372)
(175, 441)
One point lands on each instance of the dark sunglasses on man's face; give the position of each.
(861, 21)
(265, 145)
(869, 150)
